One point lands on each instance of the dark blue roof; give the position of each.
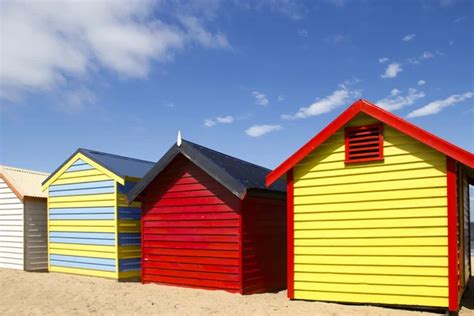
(120, 165)
(250, 175)
(237, 175)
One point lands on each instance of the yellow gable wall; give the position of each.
(79, 249)
(372, 232)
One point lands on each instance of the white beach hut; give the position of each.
(23, 220)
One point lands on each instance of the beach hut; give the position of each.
(23, 233)
(378, 212)
(92, 229)
(209, 222)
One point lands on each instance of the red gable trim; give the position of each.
(364, 106)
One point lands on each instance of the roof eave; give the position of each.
(364, 106)
(17, 193)
(199, 160)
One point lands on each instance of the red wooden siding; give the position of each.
(263, 244)
(191, 228)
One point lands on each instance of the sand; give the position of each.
(28, 293)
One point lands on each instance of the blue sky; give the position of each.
(254, 80)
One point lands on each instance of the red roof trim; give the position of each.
(364, 106)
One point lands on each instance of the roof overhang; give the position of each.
(198, 159)
(12, 187)
(364, 106)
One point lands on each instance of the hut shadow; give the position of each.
(468, 297)
(131, 280)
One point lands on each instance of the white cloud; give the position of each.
(424, 56)
(421, 82)
(383, 60)
(336, 39)
(339, 97)
(228, 119)
(396, 100)
(260, 130)
(438, 105)
(260, 98)
(209, 123)
(408, 37)
(225, 119)
(46, 45)
(77, 100)
(303, 33)
(392, 70)
(281, 98)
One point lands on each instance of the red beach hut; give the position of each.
(209, 222)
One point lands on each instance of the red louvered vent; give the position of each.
(364, 143)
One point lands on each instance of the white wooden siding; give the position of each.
(36, 234)
(11, 229)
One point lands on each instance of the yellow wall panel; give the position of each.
(372, 223)
(82, 179)
(406, 184)
(129, 252)
(376, 279)
(359, 215)
(367, 270)
(374, 205)
(380, 241)
(372, 298)
(372, 232)
(368, 288)
(395, 260)
(374, 251)
(89, 272)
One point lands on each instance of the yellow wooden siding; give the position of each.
(372, 232)
(128, 226)
(79, 250)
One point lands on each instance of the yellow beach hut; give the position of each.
(92, 230)
(378, 212)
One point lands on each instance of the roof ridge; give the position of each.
(220, 153)
(115, 155)
(24, 170)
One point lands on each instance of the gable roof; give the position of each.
(119, 165)
(364, 106)
(23, 182)
(235, 174)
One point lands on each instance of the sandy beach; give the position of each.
(26, 293)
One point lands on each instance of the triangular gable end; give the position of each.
(79, 162)
(197, 159)
(364, 106)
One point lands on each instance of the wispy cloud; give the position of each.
(396, 100)
(336, 99)
(421, 82)
(303, 33)
(383, 60)
(47, 45)
(460, 19)
(260, 98)
(424, 56)
(438, 105)
(392, 70)
(336, 39)
(228, 119)
(260, 130)
(409, 37)
(280, 98)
